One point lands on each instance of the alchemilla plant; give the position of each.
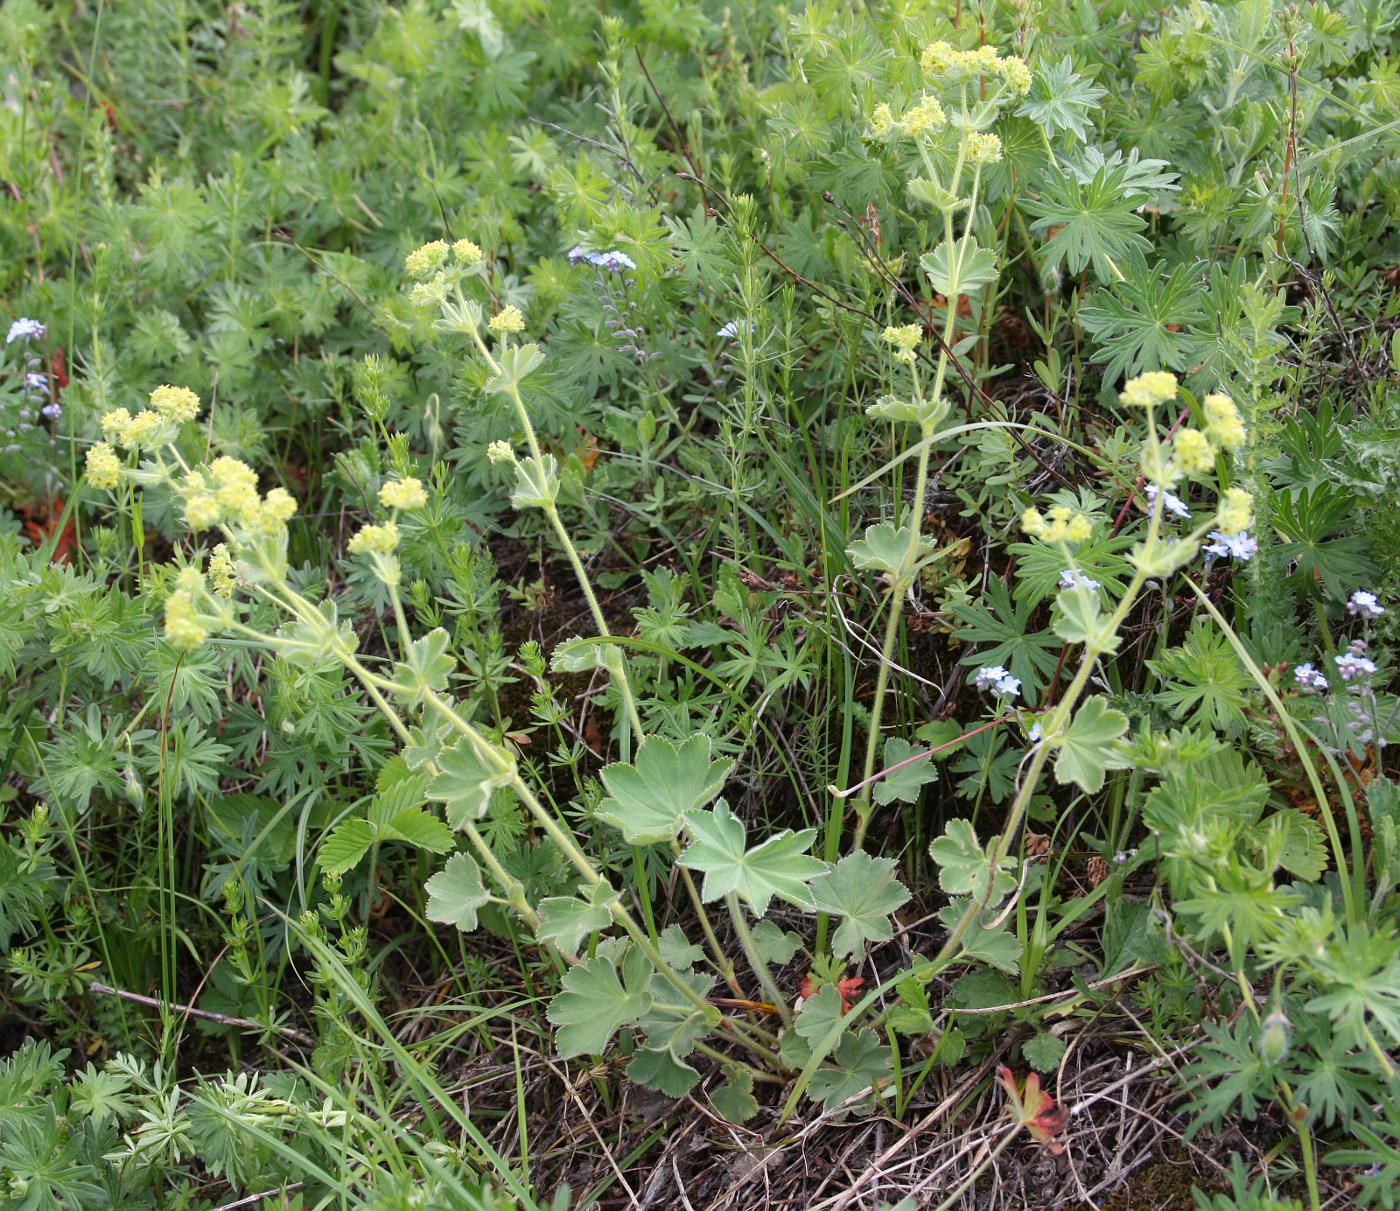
(808, 579)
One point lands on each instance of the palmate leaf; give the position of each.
(456, 892)
(779, 866)
(1317, 526)
(1203, 680)
(861, 1064)
(965, 868)
(863, 892)
(1093, 222)
(1002, 626)
(464, 783)
(1144, 321)
(907, 782)
(993, 944)
(1089, 748)
(885, 548)
(649, 799)
(426, 668)
(1061, 99)
(596, 999)
(734, 1100)
(961, 267)
(567, 920)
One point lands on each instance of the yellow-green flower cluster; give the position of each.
(114, 423)
(1060, 524)
(155, 426)
(1236, 511)
(436, 277)
(184, 628)
(428, 258)
(923, 117)
(1224, 424)
(375, 540)
(1193, 452)
(508, 320)
(466, 254)
(882, 122)
(226, 493)
(404, 493)
(941, 61)
(178, 404)
(500, 452)
(104, 470)
(982, 148)
(1148, 390)
(905, 340)
(222, 572)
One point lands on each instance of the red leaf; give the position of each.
(1032, 1108)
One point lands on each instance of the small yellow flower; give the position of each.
(202, 511)
(882, 123)
(927, 115)
(1236, 511)
(403, 494)
(1016, 74)
(429, 294)
(378, 540)
(1223, 422)
(178, 404)
(146, 428)
(983, 148)
(103, 468)
(465, 253)
(183, 628)
(228, 471)
(222, 572)
(1148, 390)
(938, 58)
(500, 452)
(1194, 453)
(906, 336)
(1060, 524)
(190, 579)
(239, 502)
(983, 59)
(114, 423)
(507, 320)
(280, 505)
(425, 260)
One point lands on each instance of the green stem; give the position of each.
(1054, 726)
(617, 668)
(904, 578)
(756, 960)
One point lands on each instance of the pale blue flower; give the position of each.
(1309, 678)
(613, 261)
(1170, 503)
(998, 680)
(24, 330)
(1364, 605)
(1352, 666)
(1069, 578)
(1225, 546)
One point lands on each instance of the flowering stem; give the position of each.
(903, 580)
(1053, 727)
(617, 666)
